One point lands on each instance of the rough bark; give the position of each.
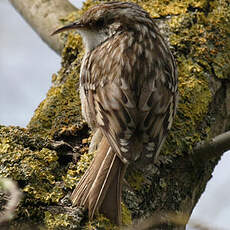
(42, 165)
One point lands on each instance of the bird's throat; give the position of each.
(92, 39)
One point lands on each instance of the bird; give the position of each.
(128, 91)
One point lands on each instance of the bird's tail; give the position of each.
(99, 189)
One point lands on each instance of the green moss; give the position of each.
(71, 177)
(32, 164)
(100, 223)
(75, 171)
(169, 7)
(135, 179)
(27, 159)
(126, 215)
(58, 221)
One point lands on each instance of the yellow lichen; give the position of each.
(22, 161)
(56, 221)
(126, 215)
(75, 171)
(100, 222)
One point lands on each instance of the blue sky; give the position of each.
(26, 67)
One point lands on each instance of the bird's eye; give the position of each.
(100, 22)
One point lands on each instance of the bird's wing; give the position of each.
(158, 107)
(127, 102)
(114, 115)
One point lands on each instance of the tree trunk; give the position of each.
(42, 164)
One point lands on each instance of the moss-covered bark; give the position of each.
(198, 32)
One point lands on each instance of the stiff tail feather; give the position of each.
(99, 189)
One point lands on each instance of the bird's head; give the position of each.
(104, 20)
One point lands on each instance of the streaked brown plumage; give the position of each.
(128, 92)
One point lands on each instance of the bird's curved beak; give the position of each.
(75, 25)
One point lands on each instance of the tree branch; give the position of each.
(44, 17)
(212, 148)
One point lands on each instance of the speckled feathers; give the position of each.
(130, 81)
(128, 88)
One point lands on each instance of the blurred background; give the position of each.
(26, 67)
